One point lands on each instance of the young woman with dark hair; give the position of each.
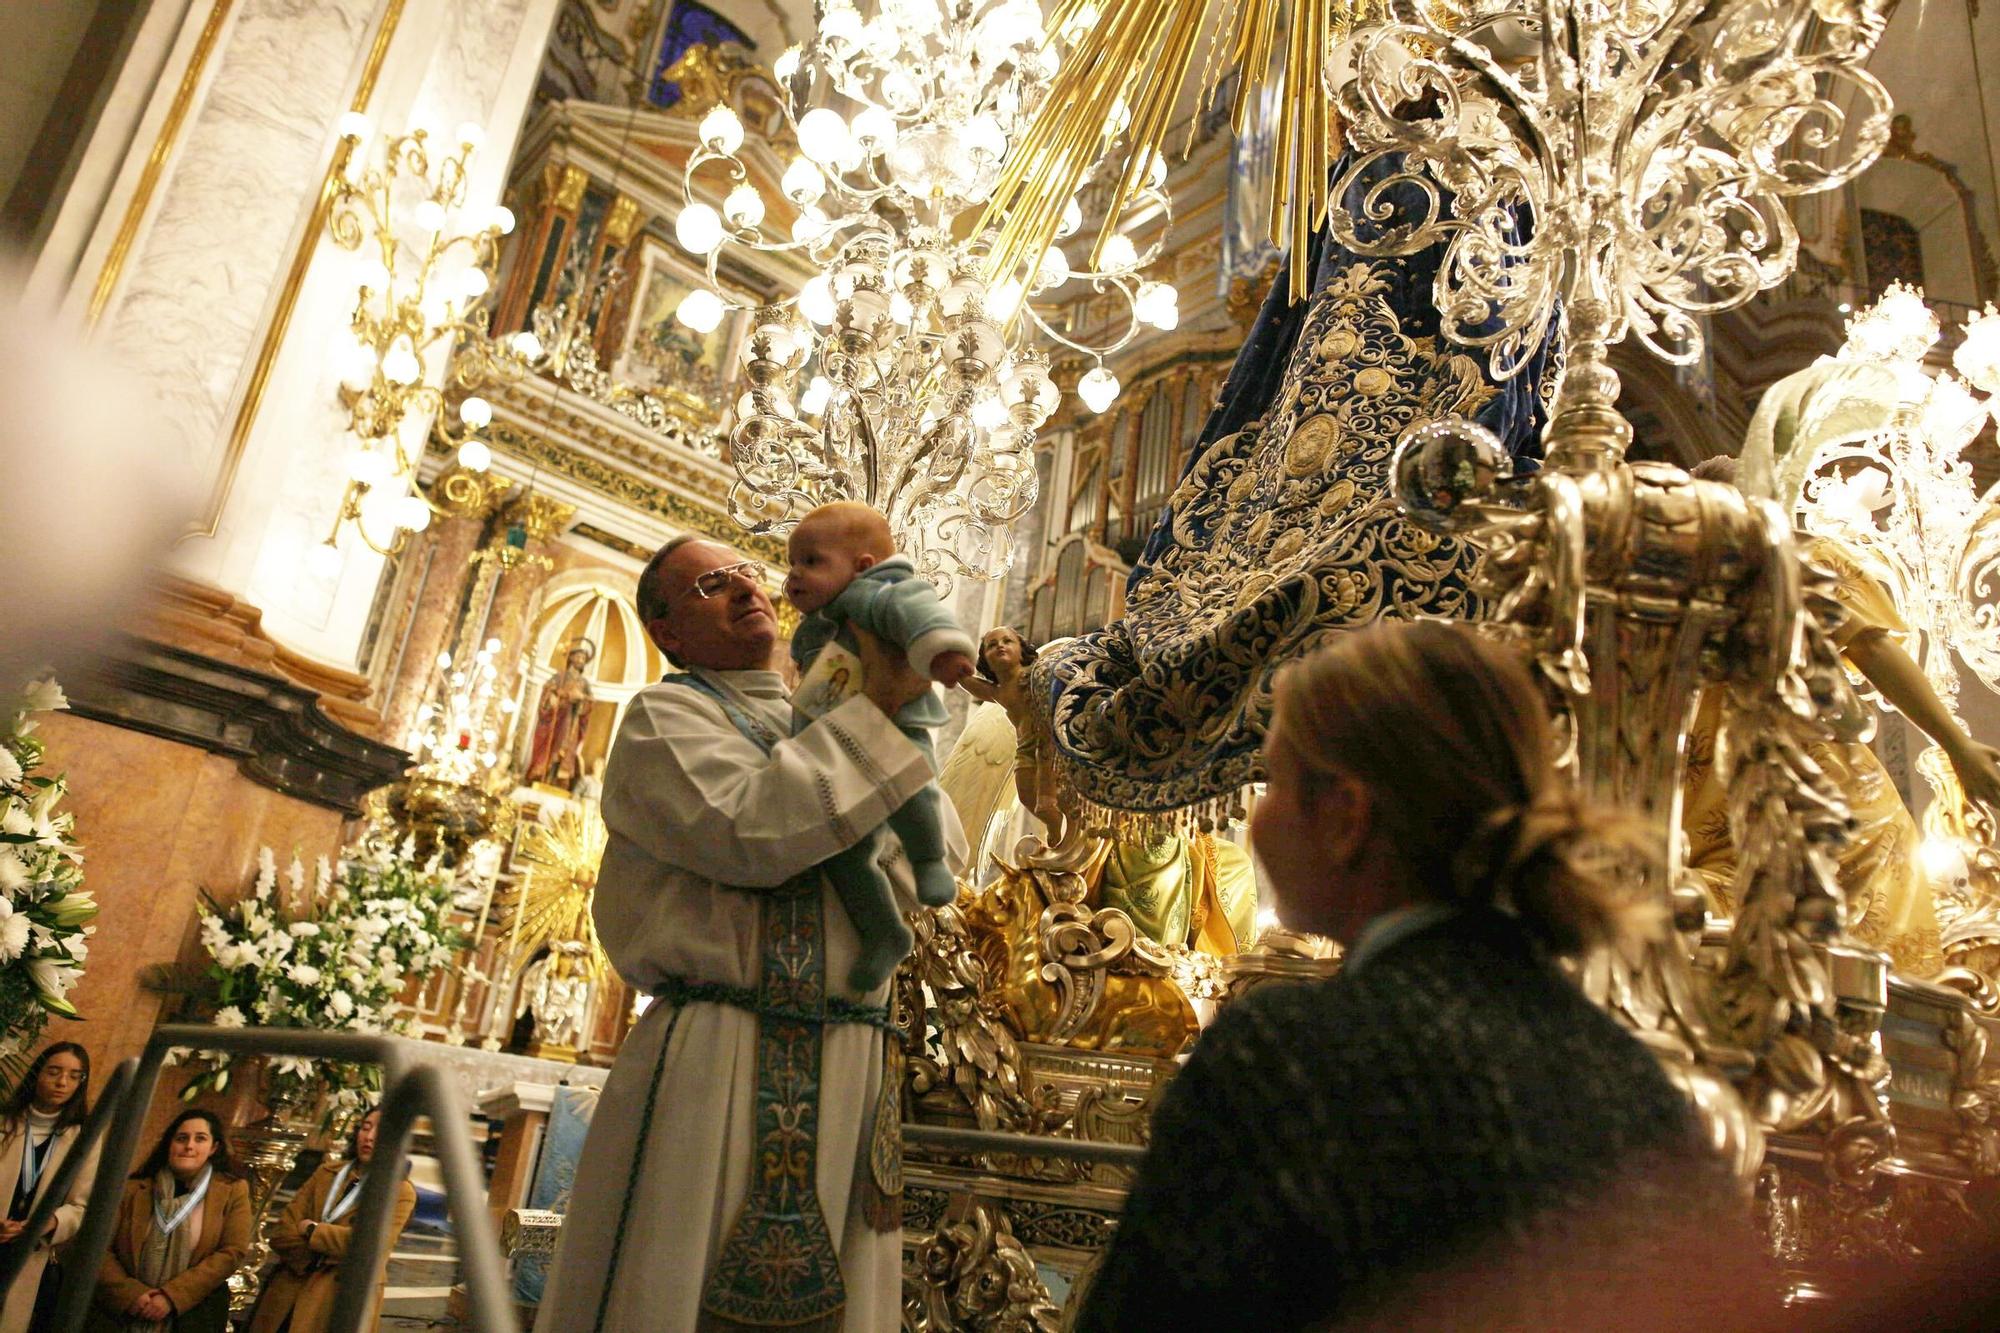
(312, 1238)
(183, 1227)
(38, 1125)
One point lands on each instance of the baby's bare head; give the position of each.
(850, 527)
(829, 547)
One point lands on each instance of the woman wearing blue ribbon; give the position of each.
(183, 1227)
(39, 1125)
(313, 1236)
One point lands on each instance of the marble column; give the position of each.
(438, 602)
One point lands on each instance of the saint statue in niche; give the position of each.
(557, 757)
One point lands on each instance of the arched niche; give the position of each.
(598, 606)
(1912, 219)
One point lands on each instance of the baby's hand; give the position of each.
(950, 668)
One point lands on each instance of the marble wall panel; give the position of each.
(200, 280)
(160, 822)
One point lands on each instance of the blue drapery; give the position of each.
(1281, 532)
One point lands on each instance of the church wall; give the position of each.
(161, 822)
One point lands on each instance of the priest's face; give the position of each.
(732, 629)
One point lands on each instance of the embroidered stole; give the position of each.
(779, 1266)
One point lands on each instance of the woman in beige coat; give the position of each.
(38, 1127)
(312, 1240)
(183, 1227)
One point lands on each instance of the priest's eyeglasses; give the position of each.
(718, 581)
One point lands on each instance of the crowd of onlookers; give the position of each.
(184, 1220)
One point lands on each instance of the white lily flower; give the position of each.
(13, 932)
(43, 696)
(229, 1016)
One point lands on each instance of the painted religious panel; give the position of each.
(661, 355)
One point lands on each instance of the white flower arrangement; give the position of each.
(332, 953)
(44, 910)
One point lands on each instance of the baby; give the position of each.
(845, 571)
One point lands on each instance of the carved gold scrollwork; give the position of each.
(973, 1276)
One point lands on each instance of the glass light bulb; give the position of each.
(374, 275)
(701, 310)
(816, 300)
(526, 346)
(842, 24)
(475, 456)
(400, 365)
(810, 225)
(698, 229)
(1120, 254)
(1098, 389)
(501, 219)
(823, 135)
(353, 125)
(428, 214)
(900, 308)
(989, 414)
(1072, 218)
(1157, 304)
(901, 92)
(324, 560)
(721, 130)
(475, 412)
(983, 135)
(744, 207)
(1004, 300)
(471, 134)
(412, 513)
(875, 128)
(802, 181)
(1053, 270)
(355, 365)
(813, 401)
(787, 64)
(472, 283)
(381, 514)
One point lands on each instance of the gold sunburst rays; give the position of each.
(1133, 61)
(552, 900)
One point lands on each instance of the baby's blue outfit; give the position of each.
(893, 602)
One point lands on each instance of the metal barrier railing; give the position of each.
(410, 1090)
(953, 1139)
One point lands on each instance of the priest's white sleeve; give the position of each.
(690, 790)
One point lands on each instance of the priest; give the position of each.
(742, 1169)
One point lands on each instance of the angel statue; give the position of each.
(1004, 659)
(558, 989)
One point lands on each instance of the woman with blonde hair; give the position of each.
(1429, 1128)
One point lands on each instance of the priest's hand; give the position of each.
(886, 676)
(153, 1306)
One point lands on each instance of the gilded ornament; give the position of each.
(1373, 382)
(1339, 344)
(1311, 442)
(1287, 547)
(1338, 496)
